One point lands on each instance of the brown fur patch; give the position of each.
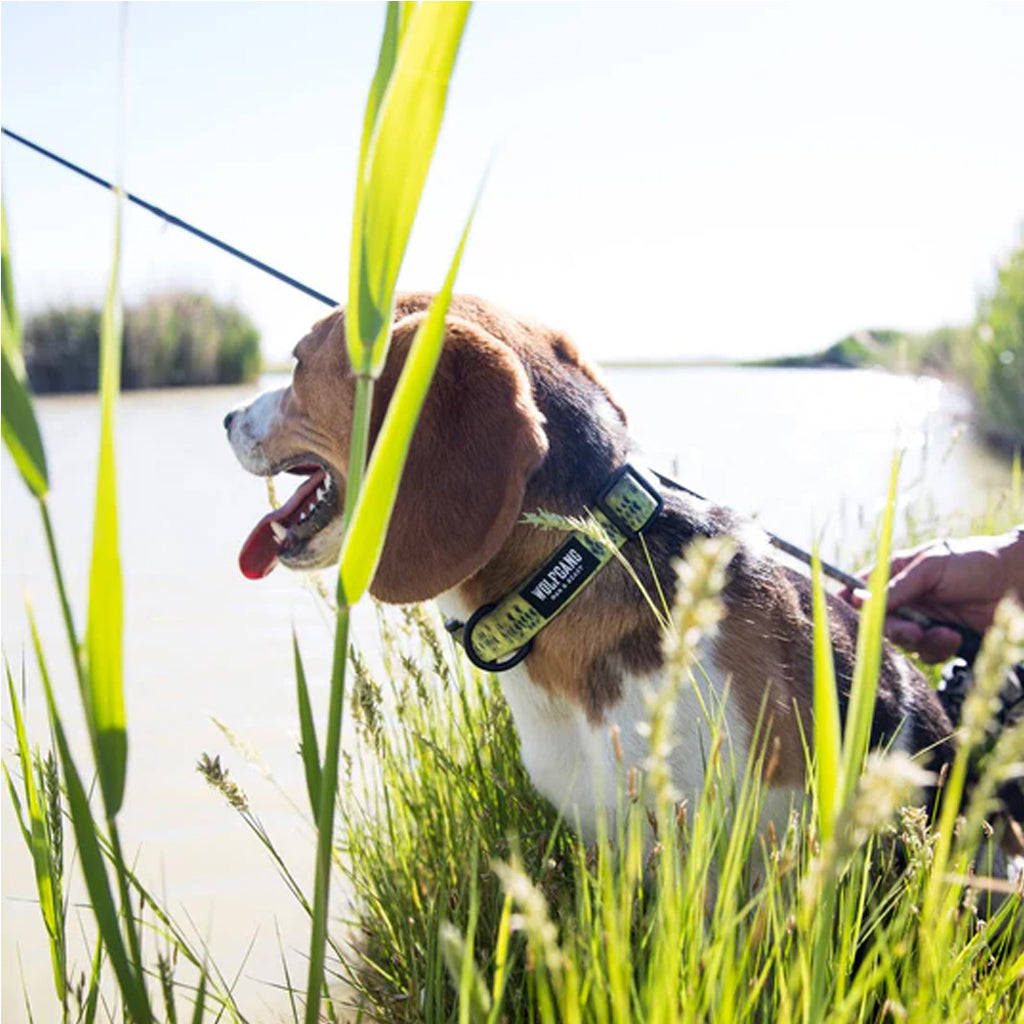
(751, 649)
(566, 352)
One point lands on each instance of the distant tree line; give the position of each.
(985, 357)
(171, 340)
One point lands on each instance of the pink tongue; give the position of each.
(259, 552)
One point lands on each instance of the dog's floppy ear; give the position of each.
(479, 438)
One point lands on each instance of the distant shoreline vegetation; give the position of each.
(986, 358)
(176, 339)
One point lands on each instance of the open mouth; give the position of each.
(285, 532)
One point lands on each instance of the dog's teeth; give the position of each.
(278, 531)
(320, 492)
(312, 506)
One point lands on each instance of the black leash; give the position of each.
(957, 674)
(971, 641)
(170, 218)
(799, 554)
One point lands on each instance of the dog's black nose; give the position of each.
(227, 419)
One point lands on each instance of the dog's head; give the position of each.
(480, 438)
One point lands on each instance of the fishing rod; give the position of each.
(971, 640)
(170, 218)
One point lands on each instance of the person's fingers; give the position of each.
(855, 597)
(939, 644)
(916, 581)
(899, 561)
(903, 632)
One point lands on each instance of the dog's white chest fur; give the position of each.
(573, 762)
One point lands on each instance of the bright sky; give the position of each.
(666, 180)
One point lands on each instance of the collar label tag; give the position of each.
(570, 567)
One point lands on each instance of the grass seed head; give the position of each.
(1002, 649)
(533, 918)
(890, 781)
(54, 811)
(217, 776)
(697, 607)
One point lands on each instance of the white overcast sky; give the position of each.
(666, 180)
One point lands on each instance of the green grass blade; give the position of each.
(166, 978)
(860, 713)
(39, 846)
(92, 1000)
(457, 953)
(17, 416)
(20, 430)
(12, 792)
(389, 45)
(827, 730)
(307, 730)
(200, 1004)
(90, 854)
(474, 999)
(364, 539)
(394, 168)
(501, 958)
(11, 320)
(417, 56)
(103, 640)
(325, 820)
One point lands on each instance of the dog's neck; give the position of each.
(609, 629)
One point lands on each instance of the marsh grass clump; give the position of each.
(170, 340)
(474, 901)
(436, 785)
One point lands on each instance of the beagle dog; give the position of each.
(515, 421)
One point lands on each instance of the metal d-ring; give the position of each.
(490, 666)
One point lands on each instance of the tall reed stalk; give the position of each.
(98, 668)
(403, 118)
(98, 662)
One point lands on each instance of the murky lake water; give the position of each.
(804, 450)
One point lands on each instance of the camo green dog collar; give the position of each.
(499, 636)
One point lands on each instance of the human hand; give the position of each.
(958, 582)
